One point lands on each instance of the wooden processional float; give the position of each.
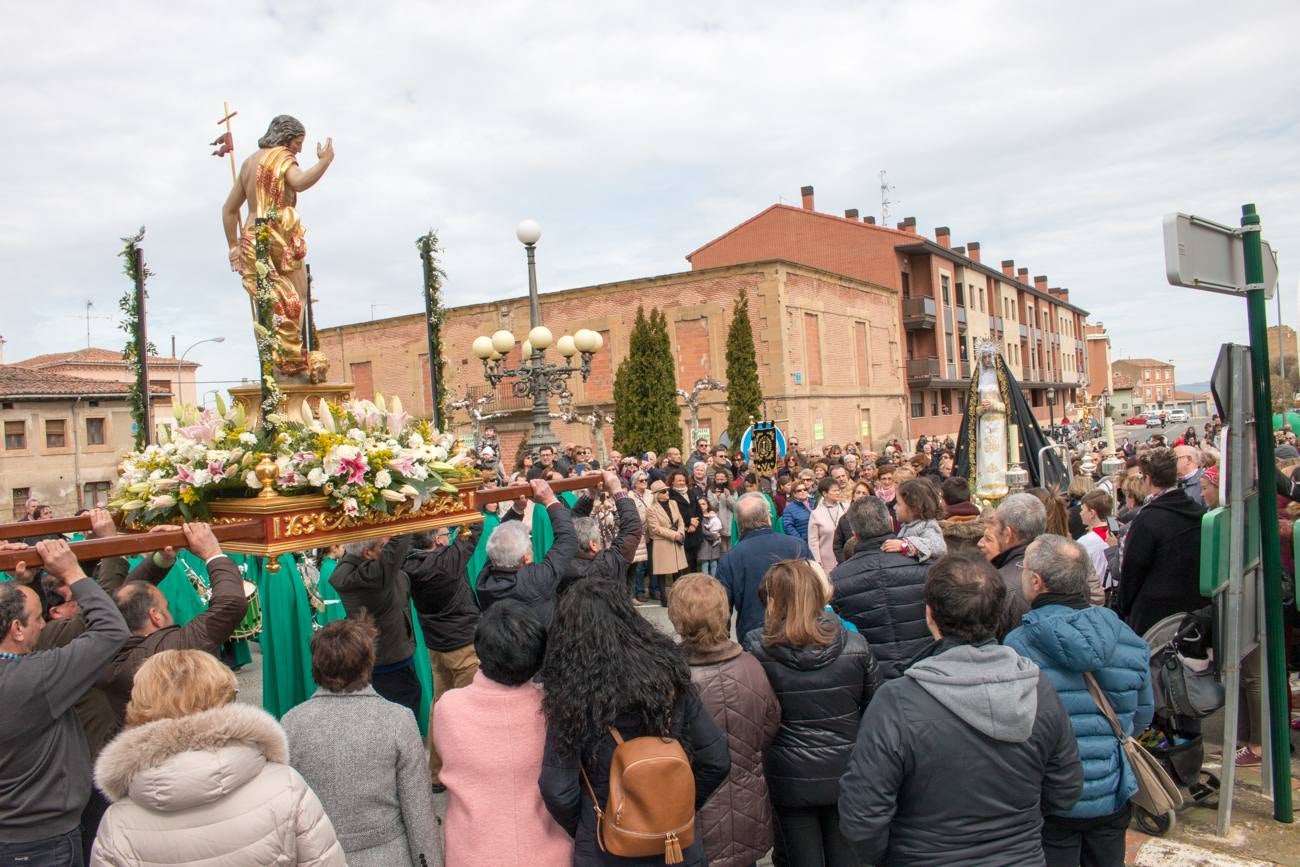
(272, 524)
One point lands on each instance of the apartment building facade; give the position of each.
(1152, 381)
(63, 439)
(949, 302)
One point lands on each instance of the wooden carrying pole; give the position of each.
(246, 531)
(134, 543)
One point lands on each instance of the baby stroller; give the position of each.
(1186, 689)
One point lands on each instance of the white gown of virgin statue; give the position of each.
(991, 432)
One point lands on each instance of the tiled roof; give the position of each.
(1119, 380)
(18, 381)
(92, 355)
(1142, 362)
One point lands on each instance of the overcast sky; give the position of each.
(634, 133)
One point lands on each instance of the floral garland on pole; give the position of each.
(264, 328)
(131, 325)
(435, 314)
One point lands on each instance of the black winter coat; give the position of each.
(441, 593)
(823, 690)
(569, 804)
(534, 584)
(1162, 561)
(611, 563)
(843, 536)
(882, 594)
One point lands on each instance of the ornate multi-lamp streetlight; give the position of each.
(534, 377)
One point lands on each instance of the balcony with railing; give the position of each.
(920, 371)
(918, 313)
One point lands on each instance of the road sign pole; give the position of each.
(1270, 541)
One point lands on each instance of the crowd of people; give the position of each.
(868, 668)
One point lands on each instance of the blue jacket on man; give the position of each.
(742, 568)
(1065, 642)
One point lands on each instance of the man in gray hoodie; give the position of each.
(959, 758)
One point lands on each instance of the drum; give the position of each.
(251, 625)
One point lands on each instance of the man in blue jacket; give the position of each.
(742, 568)
(1067, 638)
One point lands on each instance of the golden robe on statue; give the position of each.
(287, 252)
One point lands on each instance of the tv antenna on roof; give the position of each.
(885, 189)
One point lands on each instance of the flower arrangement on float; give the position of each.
(365, 456)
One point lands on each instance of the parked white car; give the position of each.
(1177, 416)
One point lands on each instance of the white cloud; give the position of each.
(634, 134)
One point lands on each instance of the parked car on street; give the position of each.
(1177, 416)
(1136, 420)
(1155, 419)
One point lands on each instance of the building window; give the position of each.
(56, 436)
(20, 497)
(1146, 375)
(812, 346)
(918, 406)
(94, 493)
(961, 296)
(363, 380)
(934, 403)
(94, 431)
(980, 293)
(943, 286)
(15, 435)
(907, 284)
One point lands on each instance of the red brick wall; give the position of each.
(698, 306)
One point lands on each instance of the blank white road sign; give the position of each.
(1203, 254)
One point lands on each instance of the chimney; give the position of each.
(908, 225)
(1040, 282)
(870, 221)
(807, 193)
(1022, 274)
(1009, 267)
(959, 250)
(851, 214)
(943, 236)
(973, 250)
(1063, 294)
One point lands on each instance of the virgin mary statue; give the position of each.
(997, 419)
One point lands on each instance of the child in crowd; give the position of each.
(711, 547)
(918, 510)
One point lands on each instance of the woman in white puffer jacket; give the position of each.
(198, 779)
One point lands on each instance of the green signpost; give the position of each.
(1202, 254)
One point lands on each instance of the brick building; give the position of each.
(1100, 374)
(828, 346)
(63, 437)
(1153, 381)
(949, 302)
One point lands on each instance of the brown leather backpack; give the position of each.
(651, 804)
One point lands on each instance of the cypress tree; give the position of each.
(629, 391)
(663, 416)
(744, 394)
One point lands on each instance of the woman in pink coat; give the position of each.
(491, 735)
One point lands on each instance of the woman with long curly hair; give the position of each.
(607, 666)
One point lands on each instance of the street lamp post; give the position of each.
(181, 360)
(1051, 409)
(534, 377)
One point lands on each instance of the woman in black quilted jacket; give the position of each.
(823, 677)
